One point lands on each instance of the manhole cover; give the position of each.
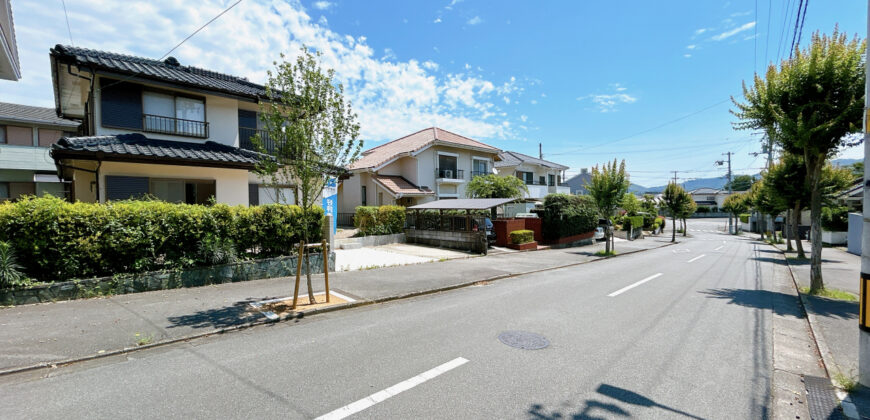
(523, 340)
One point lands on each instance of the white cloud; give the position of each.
(700, 31)
(609, 102)
(687, 55)
(391, 97)
(475, 20)
(533, 102)
(691, 47)
(524, 118)
(437, 20)
(735, 31)
(323, 5)
(741, 14)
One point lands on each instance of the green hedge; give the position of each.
(835, 219)
(567, 215)
(633, 222)
(522, 236)
(56, 240)
(383, 220)
(744, 217)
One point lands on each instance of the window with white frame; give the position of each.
(167, 113)
(479, 166)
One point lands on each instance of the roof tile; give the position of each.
(379, 155)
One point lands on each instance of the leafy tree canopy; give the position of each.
(494, 186)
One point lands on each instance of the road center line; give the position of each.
(631, 286)
(720, 247)
(356, 407)
(697, 258)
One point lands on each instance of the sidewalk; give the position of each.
(835, 322)
(49, 333)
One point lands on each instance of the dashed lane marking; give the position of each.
(697, 258)
(632, 286)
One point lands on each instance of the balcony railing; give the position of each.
(480, 173)
(246, 136)
(449, 173)
(171, 125)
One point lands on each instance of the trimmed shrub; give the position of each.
(632, 222)
(835, 219)
(56, 240)
(522, 236)
(383, 220)
(566, 215)
(702, 209)
(744, 217)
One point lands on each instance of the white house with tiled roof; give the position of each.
(424, 166)
(542, 177)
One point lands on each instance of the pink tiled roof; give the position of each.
(399, 185)
(377, 156)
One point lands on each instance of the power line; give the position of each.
(176, 45)
(644, 131)
(796, 22)
(68, 30)
(803, 20)
(767, 35)
(755, 41)
(786, 19)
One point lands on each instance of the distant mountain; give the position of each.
(845, 162)
(694, 184)
(637, 189)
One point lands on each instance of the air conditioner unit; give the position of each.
(448, 173)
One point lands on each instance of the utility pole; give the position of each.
(720, 163)
(863, 317)
(675, 176)
(540, 151)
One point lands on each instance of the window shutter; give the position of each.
(121, 104)
(247, 119)
(126, 187)
(253, 194)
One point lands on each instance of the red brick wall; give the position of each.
(534, 224)
(503, 228)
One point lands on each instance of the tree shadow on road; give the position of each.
(238, 313)
(765, 299)
(593, 409)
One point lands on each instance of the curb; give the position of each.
(300, 315)
(848, 406)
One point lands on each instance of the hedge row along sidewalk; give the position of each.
(55, 333)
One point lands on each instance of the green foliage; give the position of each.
(632, 222)
(56, 240)
(214, 250)
(835, 219)
(311, 131)
(567, 215)
(383, 220)
(741, 183)
(630, 204)
(648, 204)
(522, 236)
(857, 169)
(736, 203)
(607, 186)
(10, 271)
(494, 186)
(744, 217)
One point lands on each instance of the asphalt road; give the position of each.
(690, 339)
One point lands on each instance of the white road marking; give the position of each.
(360, 405)
(631, 286)
(720, 247)
(697, 258)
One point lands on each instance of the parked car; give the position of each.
(599, 234)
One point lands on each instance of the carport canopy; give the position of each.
(463, 204)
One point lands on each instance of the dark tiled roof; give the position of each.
(398, 185)
(514, 159)
(165, 71)
(33, 115)
(138, 148)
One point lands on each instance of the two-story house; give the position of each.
(542, 177)
(709, 197)
(26, 133)
(428, 165)
(176, 132)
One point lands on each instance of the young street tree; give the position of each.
(688, 207)
(310, 130)
(735, 204)
(494, 186)
(810, 106)
(741, 182)
(674, 200)
(607, 186)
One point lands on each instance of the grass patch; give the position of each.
(604, 253)
(778, 241)
(847, 383)
(831, 293)
(144, 340)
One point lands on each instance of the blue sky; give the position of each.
(575, 76)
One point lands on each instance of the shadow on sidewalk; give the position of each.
(236, 314)
(765, 299)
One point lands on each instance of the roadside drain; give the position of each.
(523, 340)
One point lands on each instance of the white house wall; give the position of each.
(231, 185)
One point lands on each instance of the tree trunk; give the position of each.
(608, 234)
(684, 227)
(773, 226)
(795, 228)
(674, 230)
(816, 282)
(787, 231)
(308, 276)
